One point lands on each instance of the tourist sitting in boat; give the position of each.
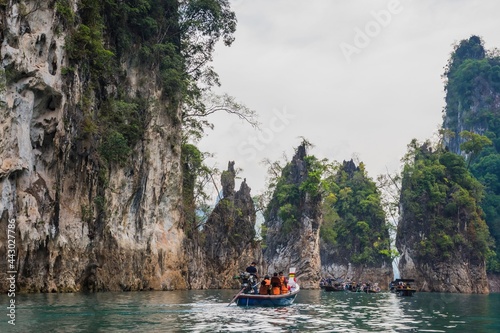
(265, 286)
(275, 285)
(284, 286)
(263, 289)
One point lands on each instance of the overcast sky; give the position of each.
(355, 78)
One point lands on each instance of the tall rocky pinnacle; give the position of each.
(227, 243)
(359, 229)
(292, 240)
(441, 236)
(472, 94)
(473, 105)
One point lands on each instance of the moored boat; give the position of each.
(372, 289)
(353, 287)
(335, 287)
(402, 287)
(405, 291)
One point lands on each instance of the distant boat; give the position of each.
(402, 287)
(371, 289)
(362, 288)
(335, 287)
(246, 298)
(353, 287)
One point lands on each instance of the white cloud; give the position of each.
(287, 55)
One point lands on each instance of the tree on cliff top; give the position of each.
(174, 39)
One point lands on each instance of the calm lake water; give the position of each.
(208, 311)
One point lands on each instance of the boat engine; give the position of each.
(247, 282)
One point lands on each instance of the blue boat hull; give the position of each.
(266, 300)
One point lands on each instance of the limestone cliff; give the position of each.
(494, 283)
(292, 221)
(473, 105)
(441, 236)
(82, 223)
(355, 243)
(456, 275)
(226, 245)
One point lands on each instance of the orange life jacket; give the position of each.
(264, 288)
(284, 288)
(276, 285)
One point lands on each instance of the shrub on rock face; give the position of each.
(114, 148)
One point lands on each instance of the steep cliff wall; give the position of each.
(82, 223)
(494, 283)
(457, 274)
(473, 105)
(226, 245)
(293, 219)
(441, 236)
(472, 92)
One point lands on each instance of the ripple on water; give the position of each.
(208, 311)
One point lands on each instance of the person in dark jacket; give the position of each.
(252, 269)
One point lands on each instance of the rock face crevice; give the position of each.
(82, 224)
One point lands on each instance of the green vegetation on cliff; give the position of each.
(440, 206)
(290, 191)
(472, 105)
(354, 225)
(126, 51)
(174, 40)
